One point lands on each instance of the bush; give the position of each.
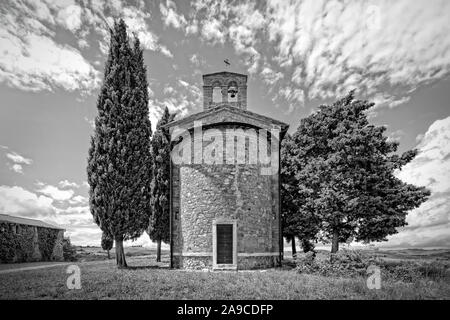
(400, 271)
(435, 270)
(69, 251)
(413, 271)
(306, 263)
(346, 263)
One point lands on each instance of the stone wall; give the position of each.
(26, 247)
(57, 254)
(202, 193)
(261, 262)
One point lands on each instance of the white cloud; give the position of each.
(332, 42)
(30, 59)
(33, 55)
(192, 28)
(183, 83)
(168, 90)
(212, 30)
(385, 49)
(18, 201)
(396, 135)
(56, 193)
(16, 161)
(17, 158)
(170, 16)
(70, 17)
(136, 21)
(78, 200)
(165, 51)
(196, 60)
(68, 184)
(429, 225)
(17, 168)
(154, 113)
(37, 63)
(270, 77)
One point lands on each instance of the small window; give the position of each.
(175, 213)
(217, 95)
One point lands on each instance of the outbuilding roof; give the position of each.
(28, 222)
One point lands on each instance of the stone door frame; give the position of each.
(232, 266)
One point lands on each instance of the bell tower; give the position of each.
(225, 88)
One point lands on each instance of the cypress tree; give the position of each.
(160, 149)
(119, 161)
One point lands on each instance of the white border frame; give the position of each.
(227, 266)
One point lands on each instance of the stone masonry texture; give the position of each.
(202, 193)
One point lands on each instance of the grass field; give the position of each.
(146, 279)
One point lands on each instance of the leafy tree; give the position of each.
(119, 161)
(69, 251)
(107, 242)
(297, 219)
(158, 229)
(345, 168)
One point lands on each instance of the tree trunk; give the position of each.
(294, 249)
(335, 242)
(120, 254)
(108, 255)
(158, 251)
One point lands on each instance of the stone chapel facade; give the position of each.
(225, 201)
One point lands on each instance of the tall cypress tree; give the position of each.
(119, 161)
(159, 224)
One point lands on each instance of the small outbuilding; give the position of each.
(225, 189)
(26, 240)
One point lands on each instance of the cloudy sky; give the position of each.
(298, 54)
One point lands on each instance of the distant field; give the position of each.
(97, 253)
(414, 254)
(146, 279)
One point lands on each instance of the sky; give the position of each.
(297, 55)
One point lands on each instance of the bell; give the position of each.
(232, 92)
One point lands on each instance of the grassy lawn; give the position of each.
(146, 279)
